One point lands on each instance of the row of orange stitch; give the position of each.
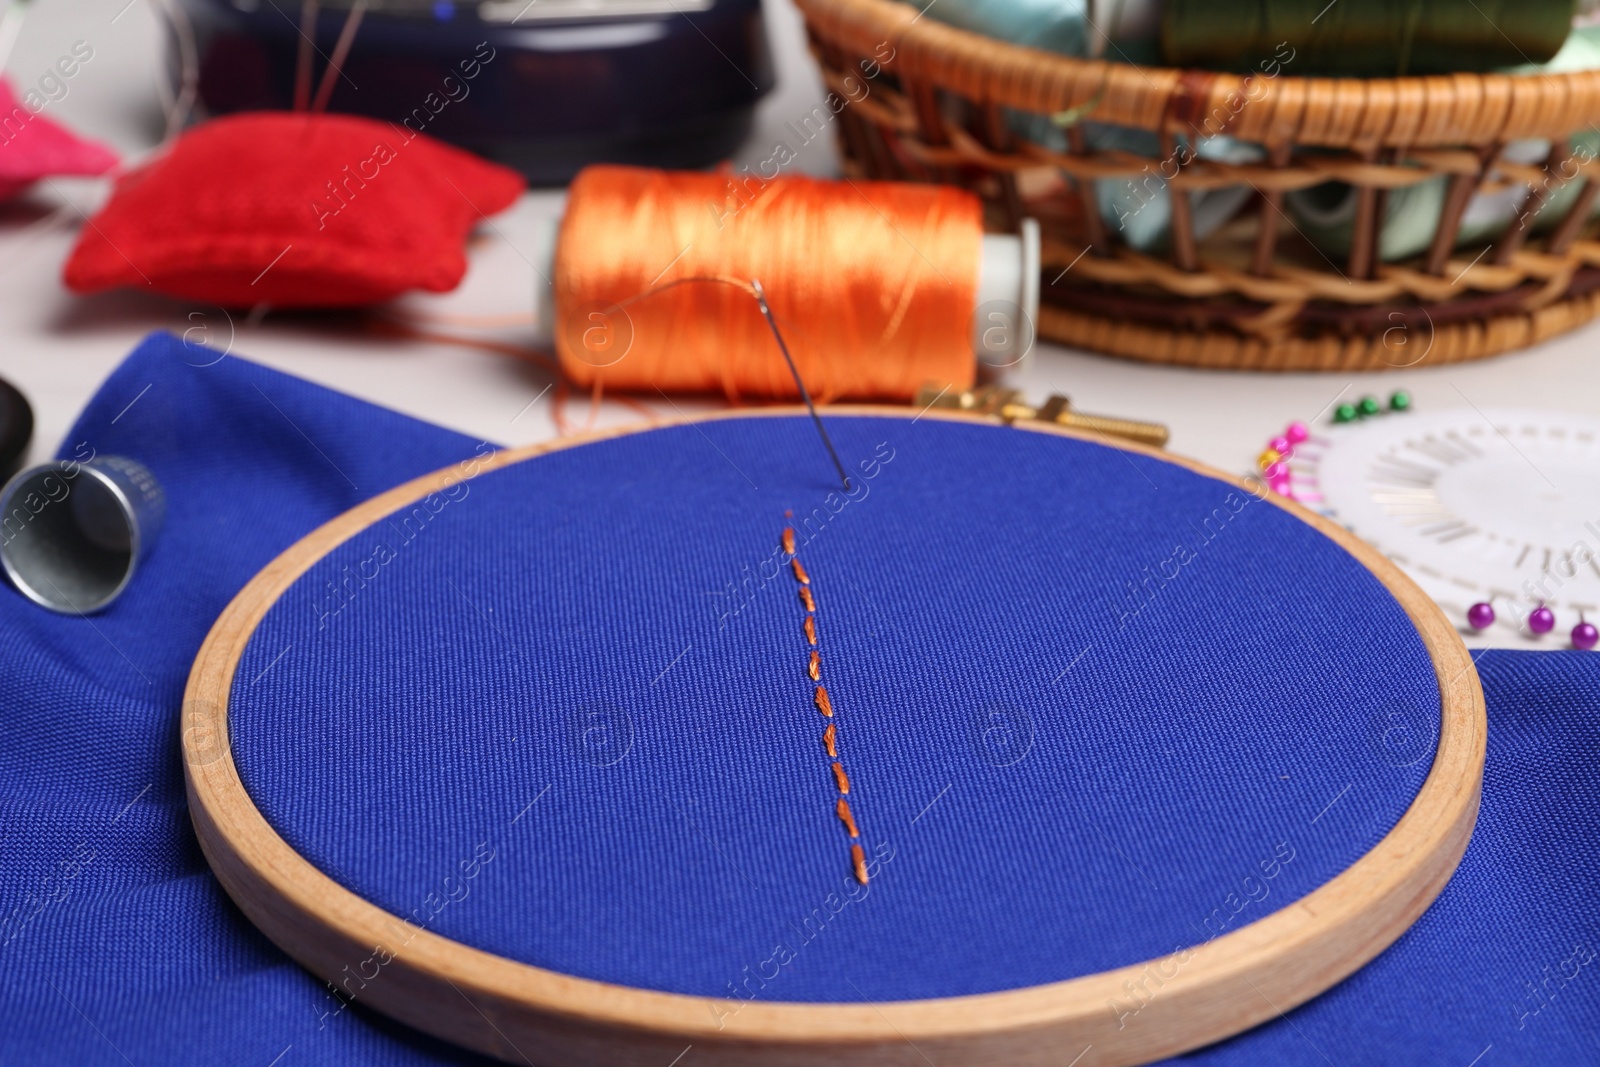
(830, 736)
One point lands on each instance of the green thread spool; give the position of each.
(1364, 38)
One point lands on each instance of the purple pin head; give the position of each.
(1541, 620)
(1480, 616)
(1585, 636)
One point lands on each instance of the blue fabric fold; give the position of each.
(1504, 968)
(117, 945)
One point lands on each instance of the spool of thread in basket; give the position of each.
(1325, 214)
(877, 287)
(1365, 38)
(1137, 208)
(1124, 31)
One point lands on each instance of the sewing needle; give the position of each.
(761, 299)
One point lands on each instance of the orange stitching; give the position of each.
(824, 705)
(830, 736)
(843, 810)
(841, 779)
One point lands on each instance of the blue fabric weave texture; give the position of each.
(1504, 969)
(1072, 770)
(117, 946)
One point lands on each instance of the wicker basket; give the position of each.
(1255, 294)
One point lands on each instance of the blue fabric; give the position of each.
(117, 946)
(1131, 768)
(115, 941)
(1504, 969)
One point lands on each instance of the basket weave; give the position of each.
(1255, 295)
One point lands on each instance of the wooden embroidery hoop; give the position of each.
(522, 1013)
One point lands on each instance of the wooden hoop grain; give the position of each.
(522, 1013)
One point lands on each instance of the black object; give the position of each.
(16, 429)
(546, 86)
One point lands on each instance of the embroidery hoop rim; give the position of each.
(1297, 951)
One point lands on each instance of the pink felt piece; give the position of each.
(35, 146)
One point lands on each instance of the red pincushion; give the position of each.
(33, 147)
(292, 210)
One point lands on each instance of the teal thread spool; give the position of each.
(1326, 213)
(1137, 209)
(1365, 38)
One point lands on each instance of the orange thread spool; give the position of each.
(873, 284)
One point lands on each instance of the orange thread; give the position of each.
(393, 326)
(873, 283)
(843, 810)
(824, 705)
(830, 736)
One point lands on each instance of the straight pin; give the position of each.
(341, 52)
(302, 67)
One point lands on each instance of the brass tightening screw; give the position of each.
(1007, 404)
(1058, 409)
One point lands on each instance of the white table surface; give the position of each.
(57, 347)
